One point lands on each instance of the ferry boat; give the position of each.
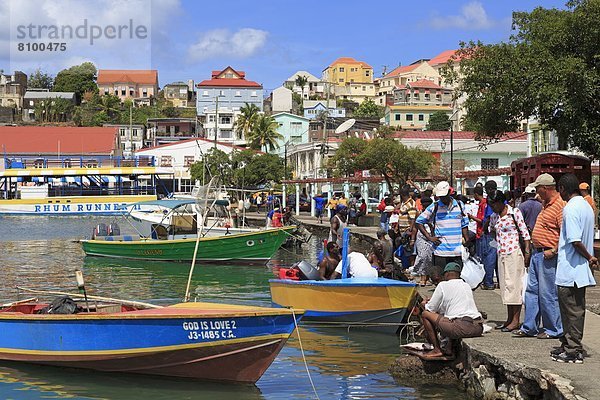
(60, 187)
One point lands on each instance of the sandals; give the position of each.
(520, 333)
(544, 335)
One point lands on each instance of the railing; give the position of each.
(78, 162)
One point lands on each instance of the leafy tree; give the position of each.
(215, 163)
(368, 109)
(347, 158)
(39, 80)
(264, 133)
(385, 131)
(110, 104)
(260, 169)
(301, 81)
(246, 120)
(78, 79)
(548, 69)
(53, 110)
(439, 121)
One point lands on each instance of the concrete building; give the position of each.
(415, 102)
(32, 98)
(181, 155)
(131, 138)
(356, 92)
(12, 89)
(348, 70)
(400, 76)
(281, 100)
(169, 130)
(314, 86)
(141, 86)
(313, 108)
(309, 160)
(180, 93)
(293, 128)
(231, 90)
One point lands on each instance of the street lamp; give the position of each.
(452, 146)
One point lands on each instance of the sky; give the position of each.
(269, 40)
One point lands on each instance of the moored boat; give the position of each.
(252, 247)
(189, 340)
(368, 303)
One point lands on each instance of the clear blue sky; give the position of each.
(270, 40)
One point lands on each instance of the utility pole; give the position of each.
(216, 120)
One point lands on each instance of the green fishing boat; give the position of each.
(253, 247)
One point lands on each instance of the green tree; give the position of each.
(246, 120)
(214, 163)
(548, 69)
(78, 79)
(264, 133)
(39, 80)
(110, 105)
(347, 158)
(260, 169)
(385, 131)
(301, 81)
(439, 121)
(368, 109)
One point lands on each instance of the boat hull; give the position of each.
(76, 205)
(229, 346)
(374, 304)
(248, 247)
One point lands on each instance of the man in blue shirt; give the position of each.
(530, 207)
(450, 225)
(574, 268)
(319, 206)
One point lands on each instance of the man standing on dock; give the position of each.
(450, 224)
(541, 297)
(574, 269)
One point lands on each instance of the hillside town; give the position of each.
(297, 121)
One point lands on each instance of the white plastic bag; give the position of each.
(472, 272)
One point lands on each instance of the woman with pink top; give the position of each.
(514, 253)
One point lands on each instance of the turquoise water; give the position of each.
(41, 253)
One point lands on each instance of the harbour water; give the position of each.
(42, 253)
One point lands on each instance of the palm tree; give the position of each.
(245, 121)
(301, 81)
(264, 133)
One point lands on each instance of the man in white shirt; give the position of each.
(358, 267)
(452, 312)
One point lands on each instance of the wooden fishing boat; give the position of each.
(368, 303)
(253, 247)
(189, 340)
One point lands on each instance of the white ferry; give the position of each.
(85, 190)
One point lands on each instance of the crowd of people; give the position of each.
(536, 248)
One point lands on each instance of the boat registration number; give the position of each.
(217, 329)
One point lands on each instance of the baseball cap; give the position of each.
(544, 180)
(389, 209)
(394, 219)
(452, 267)
(442, 189)
(530, 189)
(584, 186)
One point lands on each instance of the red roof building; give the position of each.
(139, 85)
(228, 77)
(442, 58)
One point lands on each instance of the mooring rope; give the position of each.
(304, 357)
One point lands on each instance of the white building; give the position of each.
(181, 155)
(308, 160)
(131, 137)
(281, 100)
(314, 86)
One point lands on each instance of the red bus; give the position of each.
(525, 170)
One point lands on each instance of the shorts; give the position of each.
(439, 263)
(459, 328)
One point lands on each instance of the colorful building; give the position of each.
(347, 70)
(402, 75)
(141, 86)
(313, 108)
(231, 90)
(293, 129)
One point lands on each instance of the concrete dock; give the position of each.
(499, 365)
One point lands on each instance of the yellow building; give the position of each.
(346, 70)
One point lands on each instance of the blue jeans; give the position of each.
(488, 256)
(541, 297)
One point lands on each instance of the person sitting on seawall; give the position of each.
(358, 267)
(330, 261)
(452, 312)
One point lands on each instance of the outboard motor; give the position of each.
(100, 230)
(308, 271)
(114, 230)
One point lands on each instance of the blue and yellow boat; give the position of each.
(370, 303)
(189, 340)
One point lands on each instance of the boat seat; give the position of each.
(120, 238)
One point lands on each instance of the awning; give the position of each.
(109, 179)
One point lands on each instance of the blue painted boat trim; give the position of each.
(348, 282)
